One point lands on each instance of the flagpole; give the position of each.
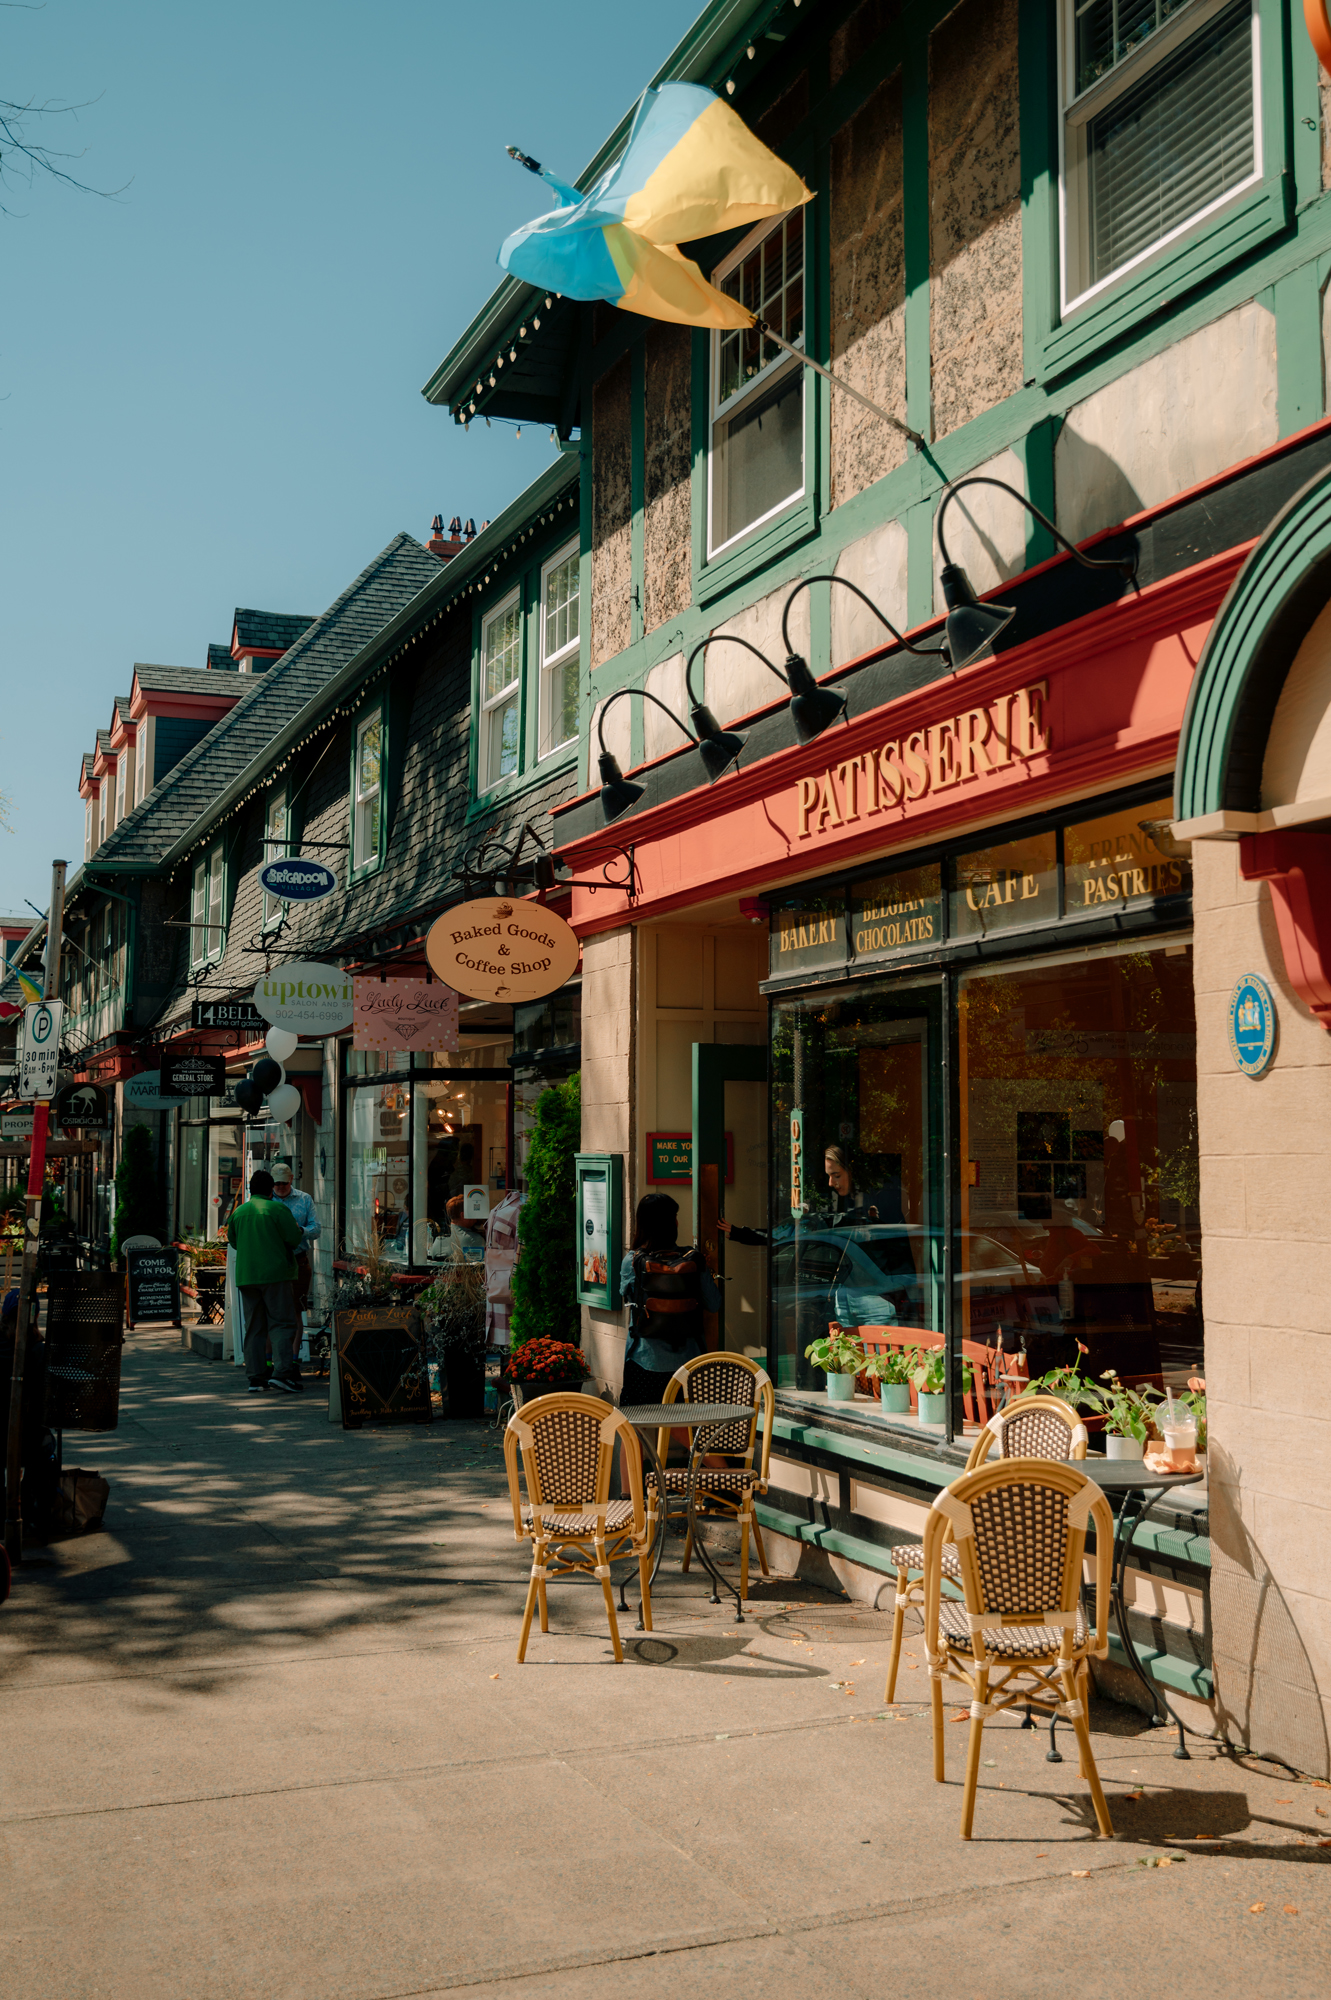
(770, 333)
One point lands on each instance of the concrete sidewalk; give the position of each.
(265, 1735)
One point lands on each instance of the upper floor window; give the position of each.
(368, 789)
(559, 650)
(276, 834)
(109, 800)
(757, 421)
(1161, 126)
(141, 760)
(127, 791)
(207, 936)
(501, 670)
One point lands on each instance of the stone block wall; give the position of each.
(609, 1006)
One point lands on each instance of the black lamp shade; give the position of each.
(543, 873)
(617, 794)
(719, 748)
(266, 1075)
(972, 627)
(812, 708)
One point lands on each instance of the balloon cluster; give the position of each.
(267, 1079)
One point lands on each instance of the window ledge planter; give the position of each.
(895, 1396)
(1123, 1447)
(933, 1409)
(840, 1388)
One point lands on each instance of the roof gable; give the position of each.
(266, 631)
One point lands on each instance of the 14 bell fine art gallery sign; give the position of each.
(496, 949)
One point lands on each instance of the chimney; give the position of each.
(445, 550)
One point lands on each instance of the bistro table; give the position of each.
(702, 1419)
(1137, 1488)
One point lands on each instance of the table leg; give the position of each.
(691, 1489)
(663, 1502)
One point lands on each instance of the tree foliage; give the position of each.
(545, 1299)
(138, 1205)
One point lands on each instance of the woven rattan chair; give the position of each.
(1020, 1636)
(567, 1446)
(727, 1491)
(1034, 1427)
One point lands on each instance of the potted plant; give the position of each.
(892, 1368)
(929, 1374)
(453, 1308)
(841, 1358)
(1130, 1418)
(541, 1367)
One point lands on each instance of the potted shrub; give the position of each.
(929, 1374)
(892, 1368)
(453, 1308)
(841, 1358)
(542, 1366)
(1130, 1418)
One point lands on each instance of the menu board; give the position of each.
(383, 1367)
(152, 1286)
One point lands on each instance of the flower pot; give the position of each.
(933, 1409)
(464, 1372)
(840, 1388)
(1123, 1447)
(894, 1396)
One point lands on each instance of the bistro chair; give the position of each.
(723, 1492)
(566, 1443)
(1034, 1427)
(1020, 1636)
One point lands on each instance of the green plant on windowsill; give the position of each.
(1070, 1384)
(1128, 1412)
(893, 1364)
(838, 1354)
(930, 1373)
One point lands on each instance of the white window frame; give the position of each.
(141, 760)
(363, 859)
(207, 937)
(125, 782)
(90, 826)
(565, 656)
(758, 385)
(275, 848)
(486, 780)
(1077, 109)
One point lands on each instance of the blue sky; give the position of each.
(210, 387)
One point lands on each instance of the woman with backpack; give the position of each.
(667, 1289)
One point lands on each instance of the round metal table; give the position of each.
(1137, 1489)
(701, 1419)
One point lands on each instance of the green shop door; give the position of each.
(730, 1139)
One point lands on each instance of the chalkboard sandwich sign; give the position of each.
(382, 1366)
(152, 1286)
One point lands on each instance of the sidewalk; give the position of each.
(266, 1736)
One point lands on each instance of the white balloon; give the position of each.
(283, 1103)
(281, 1043)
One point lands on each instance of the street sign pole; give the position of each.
(27, 1305)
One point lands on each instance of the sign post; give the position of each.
(36, 1178)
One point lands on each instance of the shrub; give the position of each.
(138, 1205)
(545, 1298)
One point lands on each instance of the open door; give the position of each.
(730, 1134)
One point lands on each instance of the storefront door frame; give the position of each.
(715, 1064)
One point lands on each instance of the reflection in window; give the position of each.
(1005, 887)
(1079, 1151)
(501, 663)
(1120, 859)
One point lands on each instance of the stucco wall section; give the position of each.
(666, 682)
(1188, 412)
(612, 511)
(618, 735)
(1265, 1156)
(735, 681)
(975, 215)
(609, 1005)
(857, 35)
(877, 563)
(868, 291)
(986, 529)
(666, 537)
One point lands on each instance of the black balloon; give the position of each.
(267, 1074)
(248, 1094)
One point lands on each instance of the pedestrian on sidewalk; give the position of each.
(265, 1235)
(298, 1202)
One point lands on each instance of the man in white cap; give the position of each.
(302, 1208)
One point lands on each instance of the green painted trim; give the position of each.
(1167, 1669)
(1270, 607)
(637, 484)
(920, 562)
(916, 233)
(1038, 93)
(1296, 301)
(1305, 109)
(1035, 454)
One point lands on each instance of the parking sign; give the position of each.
(39, 1056)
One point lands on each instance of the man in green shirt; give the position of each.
(264, 1234)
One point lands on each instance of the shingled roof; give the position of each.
(267, 702)
(176, 680)
(267, 631)
(220, 660)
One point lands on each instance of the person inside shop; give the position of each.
(265, 1236)
(300, 1205)
(853, 1201)
(667, 1289)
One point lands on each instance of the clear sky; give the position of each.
(210, 386)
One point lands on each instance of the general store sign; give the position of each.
(961, 750)
(307, 998)
(404, 1014)
(494, 949)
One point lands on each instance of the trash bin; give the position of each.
(85, 1335)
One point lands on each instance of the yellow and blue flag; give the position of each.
(29, 988)
(691, 168)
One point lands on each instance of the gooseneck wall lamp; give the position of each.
(972, 627)
(717, 747)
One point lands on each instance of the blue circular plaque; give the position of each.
(1252, 1025)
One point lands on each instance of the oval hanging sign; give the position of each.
(309, 999)
(1252, 1025)
(296, 880)
(495, 949)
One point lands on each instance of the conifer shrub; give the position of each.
(545, 1298)
(138, 1207)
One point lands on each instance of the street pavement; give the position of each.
(265, 1735)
